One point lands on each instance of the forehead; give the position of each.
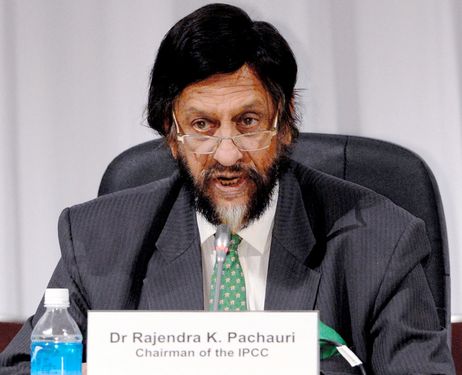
(239, 90)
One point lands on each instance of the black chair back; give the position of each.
(388, 169)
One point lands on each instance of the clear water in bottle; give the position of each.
(56, 358)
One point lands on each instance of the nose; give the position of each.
(227, 154)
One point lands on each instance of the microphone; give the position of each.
(222, 239)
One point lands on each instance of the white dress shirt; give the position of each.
(253, 251)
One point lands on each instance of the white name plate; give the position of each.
(205, 343)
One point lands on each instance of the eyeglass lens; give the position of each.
(245, 142)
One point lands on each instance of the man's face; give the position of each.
(230, 186)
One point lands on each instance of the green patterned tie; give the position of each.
(232, 294)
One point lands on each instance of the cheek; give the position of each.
(263, 159)
(196, 163)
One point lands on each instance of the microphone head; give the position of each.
(222, 239)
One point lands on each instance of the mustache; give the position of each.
(218, 169)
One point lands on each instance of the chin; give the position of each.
(232, 215)
(228, 202)
(231, 211)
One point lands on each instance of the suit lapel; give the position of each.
(174, 277)
(291, 284)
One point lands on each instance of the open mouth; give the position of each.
(230, 186)
(229, 180)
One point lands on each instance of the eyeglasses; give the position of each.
(208, 144)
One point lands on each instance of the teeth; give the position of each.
(228, 177)
(228, 181)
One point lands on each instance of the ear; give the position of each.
(170, 138)
(285, 134)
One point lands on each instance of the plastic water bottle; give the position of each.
(56, 347)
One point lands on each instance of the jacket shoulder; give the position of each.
(117, 221)
(356, 221)
(334, 197)
(128, 204)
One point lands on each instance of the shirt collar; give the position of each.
(256, 234)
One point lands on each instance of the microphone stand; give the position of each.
(222, 239)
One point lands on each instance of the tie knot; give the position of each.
(234, 243)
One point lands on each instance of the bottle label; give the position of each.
(51, 358)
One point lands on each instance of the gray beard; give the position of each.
(233, 216)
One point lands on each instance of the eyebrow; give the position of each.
(256, 106)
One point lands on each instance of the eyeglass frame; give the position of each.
(180, 136)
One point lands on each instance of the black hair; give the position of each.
(220, 39)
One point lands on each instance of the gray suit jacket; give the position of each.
(336, 247)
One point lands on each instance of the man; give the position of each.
(222, 94)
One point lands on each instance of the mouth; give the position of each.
(230, 186)
(229, 180)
